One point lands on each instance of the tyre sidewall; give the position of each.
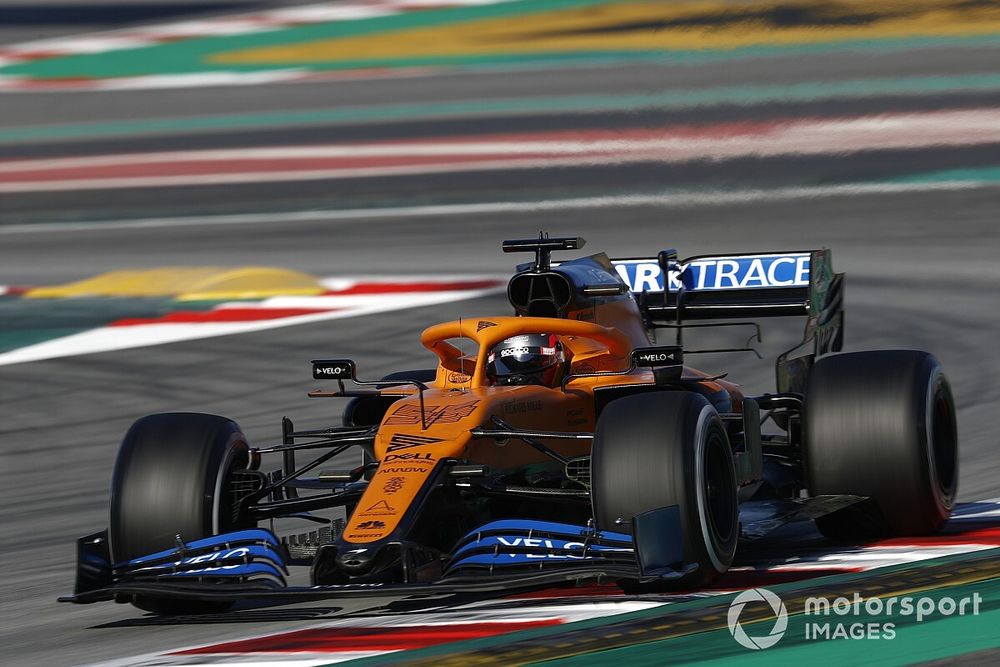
(169, 479)
(653, 450)
(870, 431)
(715, 549)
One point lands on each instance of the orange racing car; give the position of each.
(555, 445)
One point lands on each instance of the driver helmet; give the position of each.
(527, 359)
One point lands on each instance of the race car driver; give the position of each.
(527, 359)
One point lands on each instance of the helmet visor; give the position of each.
(518, 360)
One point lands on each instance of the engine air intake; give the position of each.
(540, 294)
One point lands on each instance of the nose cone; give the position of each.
(394, 562)
(338, 564)
(355, 561)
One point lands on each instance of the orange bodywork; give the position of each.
(461, 398)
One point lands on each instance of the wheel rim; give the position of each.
(224, 510)
(944, 443)
(720, 491)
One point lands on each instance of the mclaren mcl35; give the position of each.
(554, 445)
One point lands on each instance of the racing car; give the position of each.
(559, 444)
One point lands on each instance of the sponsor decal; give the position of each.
(409, 456)
(405, 441)
(485, 324)
(576, 417)
(370, 525)
(381, 508)
(241, 552)
(719, 273)
(396, 470)
(547, 549)
(540, 543)
(237, 560)
(582, 368)
(525, 350)
(336, 369)
(393, 484)
(459, 378)
(522, 407)
(409, 414)
(657, 356)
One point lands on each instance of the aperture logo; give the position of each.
(777, 630)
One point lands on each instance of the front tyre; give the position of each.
(882, 424)
(668, 448)
(171, 478)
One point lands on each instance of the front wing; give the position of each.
(502, 556)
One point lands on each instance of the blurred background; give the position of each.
(376, 152)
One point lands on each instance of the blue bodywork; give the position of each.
(246, 556)
(513, 544)
(512, 554)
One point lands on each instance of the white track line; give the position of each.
(677, 199)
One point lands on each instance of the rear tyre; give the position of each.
(668, 448)
(882, 424)
(171, 478)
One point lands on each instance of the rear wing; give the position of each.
(739, 286)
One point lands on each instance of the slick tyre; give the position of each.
(171, 478)
(881, 424)
(668, 448)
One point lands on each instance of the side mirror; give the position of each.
(345, 369)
